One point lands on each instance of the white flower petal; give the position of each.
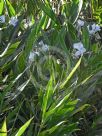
(45, 47)
(13, 21)
(77, 54)
(78, 45)
(93, 26)
(91, 32)
(37, 53)
(97, 28)
(80, 49)
(80, 23)
(83, 50)
(2, 19)
(33, 55)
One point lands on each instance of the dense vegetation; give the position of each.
(51, 67)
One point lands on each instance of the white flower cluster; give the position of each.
(80, 50)
(13, 21)
(92, 29)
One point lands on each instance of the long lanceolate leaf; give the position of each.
(46, 97)
(46, 8)
(71, 74)
(23, 128)
(79, 9)
(1, 6)
(76, 9)
(15, 80)
(51, 130)
(34, 35)
(53, 110)
(3, 131)
(10, 8)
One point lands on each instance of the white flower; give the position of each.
(33, 55)
(80, 49)
(2, 19)
(13, 21)
(94, 28)
(44, 47)
(80, 23)
(97, 28)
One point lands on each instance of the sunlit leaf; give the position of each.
(1, 6)
(71, 74)
(23, 128)
(3, 131)
(10, 8)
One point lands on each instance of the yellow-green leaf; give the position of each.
(23, 128)
(71, 74)
(1, 6)
(3, 131)
(10, 8)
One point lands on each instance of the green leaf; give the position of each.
(31, 39)
(46, 8)
(3, 131)
(75, 10)
(20, 63)
(1, 6)
(79, 9)
(85, 37)
(71, 74)
(51, 130)
(46, 97)
(72, 31)
(23, 128)
(33, 36)
(81, 108)
(11, 49)
(10, 85)
(40, 24)
(56, 107)
(10, 8)
(61, 37)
